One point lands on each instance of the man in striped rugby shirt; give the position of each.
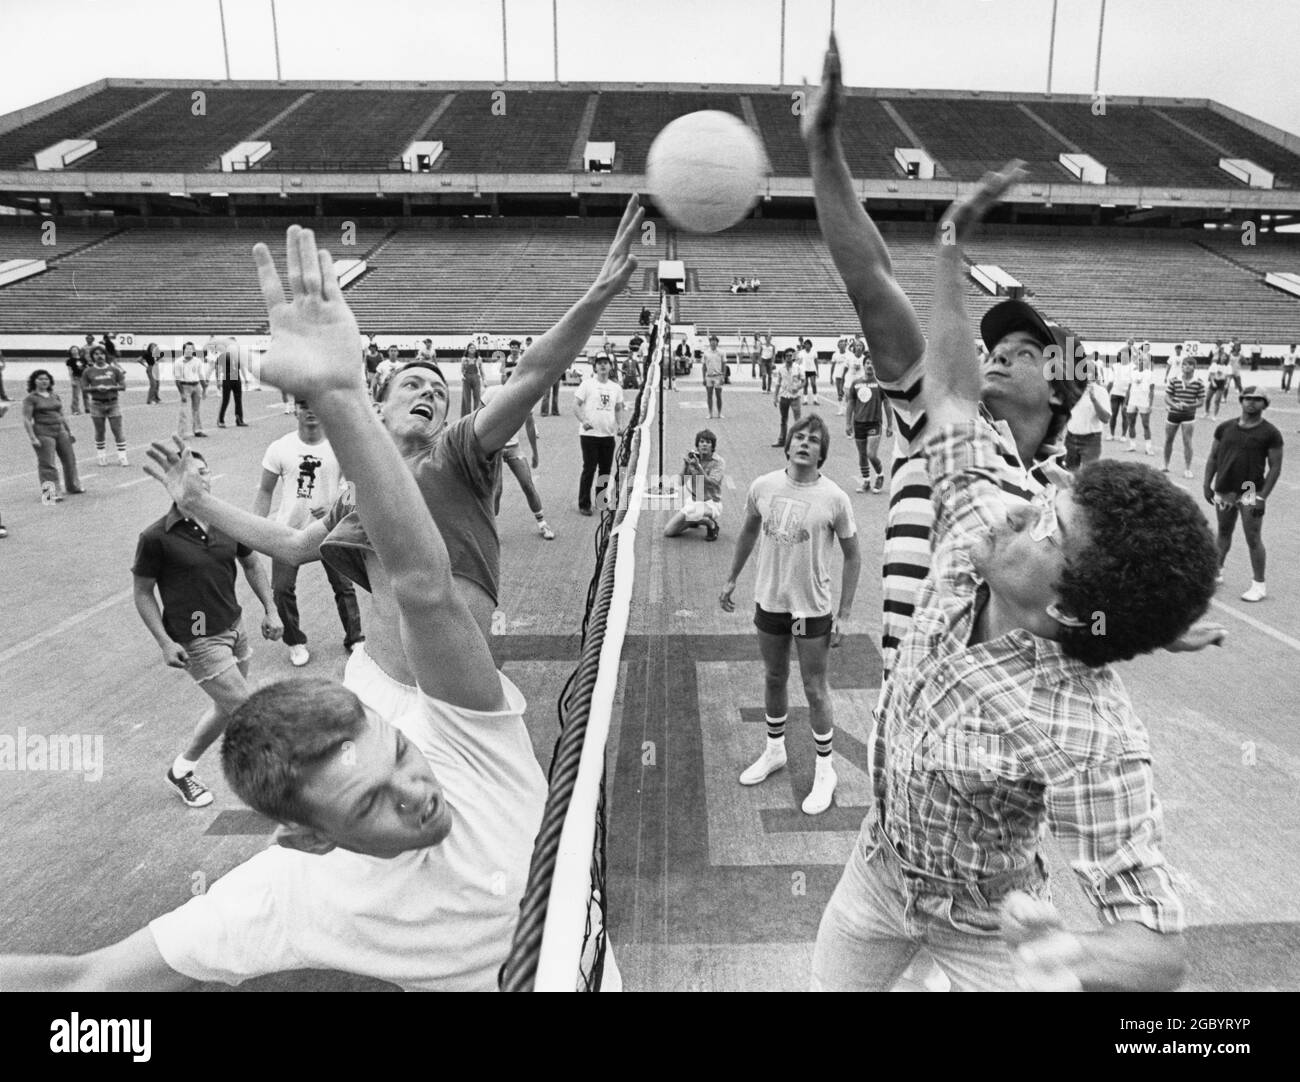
(1027, 413)
(1004, 715)
(1184, 395)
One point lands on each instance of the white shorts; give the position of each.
(698, 510)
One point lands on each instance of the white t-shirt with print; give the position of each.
(801, 521)
(600, 401)
(310, 478)
(433, 919)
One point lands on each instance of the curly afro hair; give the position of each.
(1132, 596)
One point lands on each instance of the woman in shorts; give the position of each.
(1137, 403)
(1217, 378)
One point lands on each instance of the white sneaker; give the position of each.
(1218, 580)
(101, 457)
(288, 409)
(772, 760)
(823, 789)
(122, 459)
(862, 485)
(546, 533)
(839, 411)
(1149, 450)
(1132, 446)
(299, 656)
(1188, 473)
(1255, 593)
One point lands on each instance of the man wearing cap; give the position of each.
(1244, 466)
(425, 352)
(715, 367)
(1005, 716)
(1026, 411)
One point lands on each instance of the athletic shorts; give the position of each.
(105, 409)
(783, 623)
(713, 381)
(865, 432)
(1224, 501)
(212, 655)
(699, 510)
(1180, 417)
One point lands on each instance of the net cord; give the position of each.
(562, 938)
(519, 970)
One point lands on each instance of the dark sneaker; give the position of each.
(192, 791)
(711, 533)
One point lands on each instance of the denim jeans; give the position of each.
(882, 913)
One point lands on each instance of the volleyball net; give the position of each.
(560, 940)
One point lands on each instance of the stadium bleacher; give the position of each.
(536, 129)
(971, 137)
(339, 129)
(169, 136)
(74, 121)
(633, 119)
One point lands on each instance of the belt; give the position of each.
(987, 891)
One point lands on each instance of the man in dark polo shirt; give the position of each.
(1237, 484)
(198, 628)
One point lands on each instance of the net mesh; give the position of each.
(519, 972)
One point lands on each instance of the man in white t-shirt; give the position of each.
(407, 813)
(840, 361)
(797, 513)
(305, 463)
(599, 403)
(1083, 429)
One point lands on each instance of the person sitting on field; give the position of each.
(406, 813)
(702, 474)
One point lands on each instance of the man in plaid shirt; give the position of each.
(1003, 714)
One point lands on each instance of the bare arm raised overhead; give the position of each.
(891, 326)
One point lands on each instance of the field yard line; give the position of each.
(1259, 625)
(64, 625)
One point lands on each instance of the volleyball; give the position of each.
(704, 170)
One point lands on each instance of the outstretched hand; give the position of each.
(962, 219)
(619, 263)
(314, 336)
(821, 114)
(177, 470)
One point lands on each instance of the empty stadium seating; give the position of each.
(366, 128)
(1138, 146)
(494, 278)
(18, 147)
(349, 129)
(170, 136)
(536, 131)
(971, 137)
(632, 119)
(156, 281)
(1241, 143)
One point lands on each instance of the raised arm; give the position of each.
(550, 355)
(952, 372)
(313, 339)
(888, 320)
